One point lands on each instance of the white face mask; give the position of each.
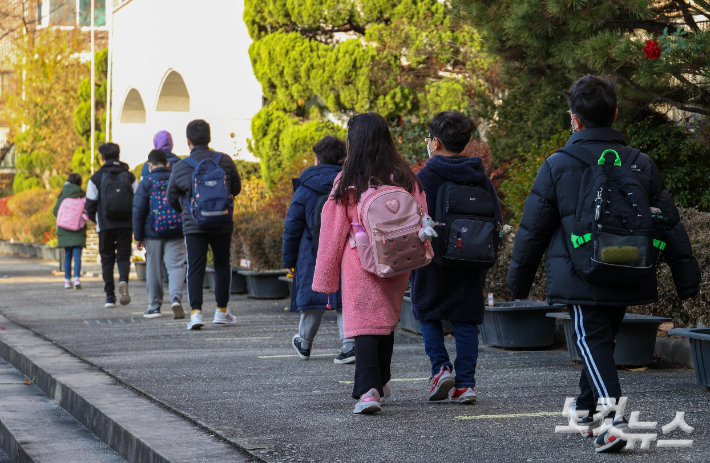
(428, 150)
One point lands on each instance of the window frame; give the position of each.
(44, 7)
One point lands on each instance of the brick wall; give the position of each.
(91, 252)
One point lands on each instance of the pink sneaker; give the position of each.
(464, 395)
(386, 393)
(77, 284)
(369, 403)
(67, 284)
(441, 384)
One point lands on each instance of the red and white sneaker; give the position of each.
(369, 403)
(464, 395)
(441, 384)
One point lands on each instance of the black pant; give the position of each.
(374, 358)
(221, 244)
(115, 248)
(595, 330)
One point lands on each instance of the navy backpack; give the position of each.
(211, 204)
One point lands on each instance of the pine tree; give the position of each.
(657, 51)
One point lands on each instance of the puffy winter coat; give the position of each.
(142, 215)
(180, 188)
(93, 199)
(444, 293)
(552, 203)
(298, 250)
(68, 238)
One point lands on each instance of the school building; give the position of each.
(178, 60)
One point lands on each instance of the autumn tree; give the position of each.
(40, 111)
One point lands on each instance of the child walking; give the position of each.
(371, 305)
(443, 292)
(300, 244)
(72, 238)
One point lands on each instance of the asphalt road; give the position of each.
(246, 382)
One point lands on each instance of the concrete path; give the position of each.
(245, 384)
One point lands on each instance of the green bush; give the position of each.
(522, 171)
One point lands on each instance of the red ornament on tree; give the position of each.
(652, 49)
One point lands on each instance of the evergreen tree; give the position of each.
(323, 60)
(656, 50)
(81, 161)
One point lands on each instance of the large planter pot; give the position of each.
(239, 282)
(140, 270)
(635, 343)
(409, 323)
(265, 285)
(289, 282)
(700, 349)
(26, 249)
(519, 325)
(5, 247)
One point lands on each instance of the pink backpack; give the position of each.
(387, 237)
(71, 214)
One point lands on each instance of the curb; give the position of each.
(114, 434)
(12, 447)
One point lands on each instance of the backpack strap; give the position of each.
(191, 161)
(216, 157)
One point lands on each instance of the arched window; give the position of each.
(133, 111)
(173, 94)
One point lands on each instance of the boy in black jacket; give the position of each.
(550, 211)
(169, 246)
(445, 293)
(197, 240)
(109, 197)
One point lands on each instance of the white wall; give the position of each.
(207, 43)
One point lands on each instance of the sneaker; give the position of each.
(125, 298)
(224, 318)
(369, 403)
(441, 384)
(177, 310)
(77, 284)
(345, 357)
(386, 393)
(195, 321)
(464, 395)
(587, 425)
(152, 313)
(110, 302)
(296, 342)
(612, 439)
(67, 284)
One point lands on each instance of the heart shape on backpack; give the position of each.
(392, 205)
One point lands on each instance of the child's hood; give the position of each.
(320, 178)
(459, 169)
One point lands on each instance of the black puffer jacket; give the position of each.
(552, 203)
(94, 206)
(180, 188)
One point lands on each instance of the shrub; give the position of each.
(31, 215)
(258, 236)
(696, 309)
(522, 171)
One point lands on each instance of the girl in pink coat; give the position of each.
(371, 305)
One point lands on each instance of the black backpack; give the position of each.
(317, 211)
(616, 235)
(116, 196)
(467, 227)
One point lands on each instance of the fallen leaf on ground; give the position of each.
(665, 326)
(636, 369)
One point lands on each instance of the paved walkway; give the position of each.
(245, 382)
